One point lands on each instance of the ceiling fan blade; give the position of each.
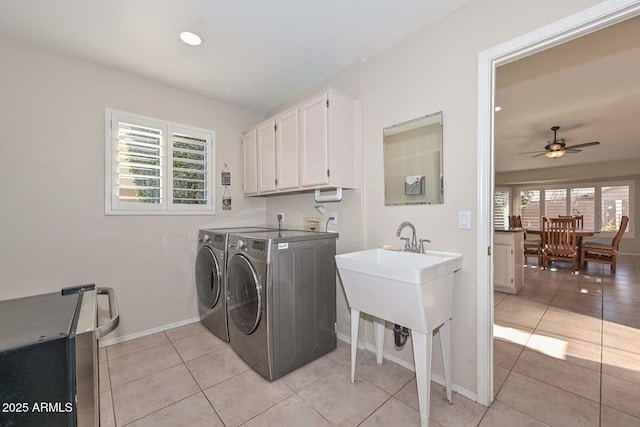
(586, 144)
(538, 155)
(531, 152)
(572, 150)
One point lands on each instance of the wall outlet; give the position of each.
(334, 221)
(280, 217)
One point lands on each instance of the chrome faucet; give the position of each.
(408, 246)
(411, 245)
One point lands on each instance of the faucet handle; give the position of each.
(422, 244)
(407, 245)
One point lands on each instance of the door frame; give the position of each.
(587, 21)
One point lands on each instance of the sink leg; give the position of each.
(445, 345)
(378, 330)
(422, 355)
(355, 321)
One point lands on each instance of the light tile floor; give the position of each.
(567, 353)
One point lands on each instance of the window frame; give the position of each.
(113, 206)
(597, 185)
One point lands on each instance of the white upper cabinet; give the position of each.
(287, 157)
(266, 157)
(250, 153)
(327, 146)
(310, 146)
(313, 141)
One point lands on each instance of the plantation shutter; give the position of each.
(156, 167)
(190, 181)
(138, 163)
(501, 210)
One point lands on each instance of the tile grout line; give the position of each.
(522, 351)
(113, 405)
(163, 408)
(601, 354)
(137, 351)
(524, 346)
(148, 375)
(196, 381)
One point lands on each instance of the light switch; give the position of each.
(464, 220)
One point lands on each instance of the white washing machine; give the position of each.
(281, 298)
(211, 277)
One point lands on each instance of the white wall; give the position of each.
(433, 70)
(436, 70)
(53, 231)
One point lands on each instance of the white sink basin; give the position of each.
(403, 266)
(413, 290)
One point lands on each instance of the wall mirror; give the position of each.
(413, 162)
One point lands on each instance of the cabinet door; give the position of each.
(287, 159)
(503, 267)
(314, 167)
(250, 153)
(266, 157)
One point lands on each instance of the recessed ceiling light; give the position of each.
(190, 38)
(498, 109)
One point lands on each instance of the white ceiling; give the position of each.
(256, 54)
(590, 87)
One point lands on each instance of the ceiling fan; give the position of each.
(558, 148)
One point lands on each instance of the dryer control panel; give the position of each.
(255, 247)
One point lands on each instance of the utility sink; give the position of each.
(410, 289)
(403, 266)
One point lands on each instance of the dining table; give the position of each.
(580, 232)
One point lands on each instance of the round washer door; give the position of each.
(208, 277)
(245, 294)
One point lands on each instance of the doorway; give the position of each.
(585, 22)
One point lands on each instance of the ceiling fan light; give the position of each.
(554, 146)
(555, 154)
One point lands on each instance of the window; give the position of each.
(555, 203)
(157, 167)
(501, 209)
(583, 202)
(602, 205)
(615, 204)
(530, 208)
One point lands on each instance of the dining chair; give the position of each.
(602, 252)
(579, 219)
(559, 241)
(532, 247)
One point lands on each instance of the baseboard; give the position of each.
(628, 253)
(435, 378)
(112, 341)
(347, 339)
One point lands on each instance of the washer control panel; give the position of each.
(211, 238)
